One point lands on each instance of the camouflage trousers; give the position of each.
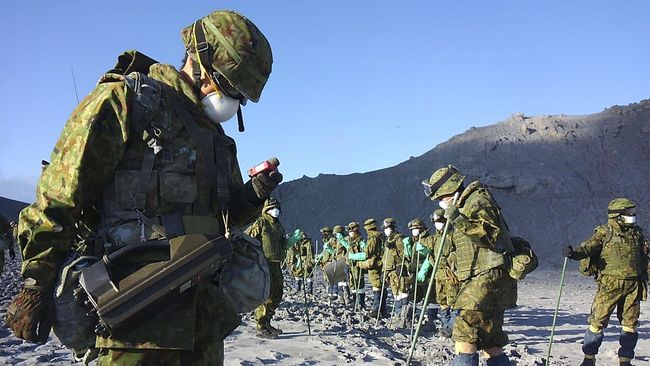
(162, 357)
(357, 280)
(397, 282)
(622, 295)
(374, 276)
(446, 290)
(481, 328)
(264, 313)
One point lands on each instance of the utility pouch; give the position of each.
(244, 280)
(522, 261)
(117, 297)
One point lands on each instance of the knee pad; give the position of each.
(500, 360)
(465, 359)
(592, 342)
(627, 341)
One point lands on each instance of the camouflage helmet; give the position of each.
(370, 224)
(231, 45)
(443, 182)
(271, 203)
(338, 229)
(438, 215)
(326, 230)
(353, 226)
(416, 223)
(13, 224)
(620, 206)
(389, 222)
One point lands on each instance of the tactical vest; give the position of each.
(621, 255)
(446, 250)
(471, 259)
(272, 238)
(394, 255)
(161, 182)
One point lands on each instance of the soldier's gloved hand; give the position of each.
(452, 212)
(264, 183)
(339, 236)
(422, 249)
(568, 252)
(30, 314)
(422, 273)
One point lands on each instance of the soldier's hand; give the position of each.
(264, 183)
(451, 212)
(30, 314)
(568, 251)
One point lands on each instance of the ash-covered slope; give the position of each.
(552, 175)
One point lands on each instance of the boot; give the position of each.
(298, 284)
(349, 299)
(500, 360)
(362, 301)
(274, 330)
(465, 359)
(588, 362)
(592, 343)
(341, 296)
(429, 325)
(445, 320)
(405, 314)
(627, 341)
(310, 286)
(333, 294)
(265, 333)
(382, 305)
(375, 304)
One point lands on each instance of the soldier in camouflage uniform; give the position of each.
(619, 252)
(446, 283)
(7, 238)
(300, 260)
(421, 269)
(144, 151)
(371, 259)
(481, 238)
(355, 246)
(330, 248)
(269, 231)
(396, 270)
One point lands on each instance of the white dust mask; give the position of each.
(415, 232)
(443, 205)
(439, 225)
(219, 107)
(388, 231)
(274, 212)
(629, 219)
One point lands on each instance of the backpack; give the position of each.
(589, 265)
(522, 261)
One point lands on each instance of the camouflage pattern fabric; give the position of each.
(99, 149)
(614, 293)
(357, 275)
(620, 253)
(481, 328)
(397, 283)
(264, 313)
(374, 252)
(491, 290)
(300, 257)
(270, 232)
(480, 233)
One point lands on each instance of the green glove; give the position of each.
(342, 241)
(422, 249)
(451, 212)
(362, 244)
(422, 274)
(408, 246)
(361, 256)
(293, 239)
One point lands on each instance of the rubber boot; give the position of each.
(592, 343)
(406, 313)
(465, 359)
(349, 296)
(429, 325)
(298, 284)
(588, 361)
(375, 303)
(362, 300)
(310, 286)
(341, 295)
(274, 330)
(382, 305)
(500, 360)
(445, 320)
(627, 341)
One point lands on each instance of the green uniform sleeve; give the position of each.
(373, 247)
(591, 246)
(342, 241)
(84, 158)
(255, 230)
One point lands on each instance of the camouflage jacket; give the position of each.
(619, 250)
(301, 256)
(394, 251)
(447, 258)
(91, 183)
(375, 249)
(480, 234)
(270, 232)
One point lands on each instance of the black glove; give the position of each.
(30, 314)
(12, 253)
(264, 183)
(568, 252)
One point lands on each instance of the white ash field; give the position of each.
(338, 339)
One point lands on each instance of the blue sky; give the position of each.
(356, 85)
